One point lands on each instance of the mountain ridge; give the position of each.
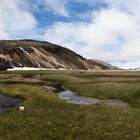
(43, 54)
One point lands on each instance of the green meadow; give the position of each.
(47, 117)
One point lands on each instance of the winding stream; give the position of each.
(71, 97)
(7, 103)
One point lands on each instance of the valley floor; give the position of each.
(47, 117)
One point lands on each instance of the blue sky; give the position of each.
(78, 11)
(108, 30)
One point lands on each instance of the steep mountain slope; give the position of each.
(31, 53)
(98, 65)
(4, 65)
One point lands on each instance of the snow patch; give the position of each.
(20, 64)
(30, 68)
(24, 51)
(37, 63)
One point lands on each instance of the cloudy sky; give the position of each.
(108, 30)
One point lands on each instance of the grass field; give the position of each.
(47, 117)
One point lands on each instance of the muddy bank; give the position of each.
(7, 103)
(53, 87)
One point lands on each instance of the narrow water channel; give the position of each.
(71, 97)
(7, 103)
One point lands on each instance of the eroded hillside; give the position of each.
(31, 53)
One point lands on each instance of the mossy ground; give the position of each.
(47, 117)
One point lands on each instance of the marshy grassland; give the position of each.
(47, 117)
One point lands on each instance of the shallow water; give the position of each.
(69, 96)
(6, 102)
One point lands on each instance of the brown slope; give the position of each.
(31, 53)
(101, 65)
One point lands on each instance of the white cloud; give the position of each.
(15, 19)
(57, 7)
(113, 35)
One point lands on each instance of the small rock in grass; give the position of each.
(21, 108)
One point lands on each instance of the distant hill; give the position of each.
(98, 65)
(41, 54)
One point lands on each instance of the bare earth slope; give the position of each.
(31, 53)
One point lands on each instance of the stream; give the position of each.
(71, 97)
(7, 103)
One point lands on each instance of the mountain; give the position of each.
(98, 65)
(4, 65)
(41, 54)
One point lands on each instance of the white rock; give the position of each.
(21, 108)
